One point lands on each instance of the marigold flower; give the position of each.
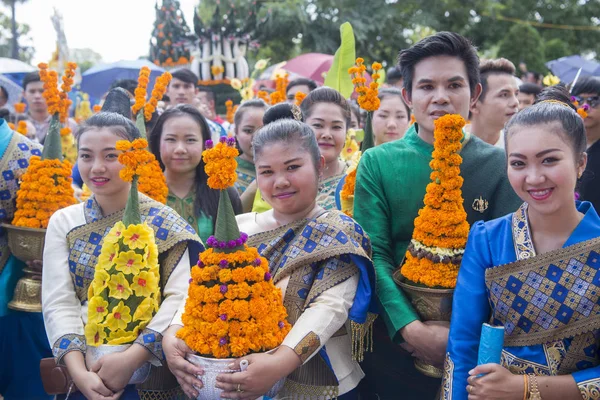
(19, 107)
(217, 70)
(140, 91)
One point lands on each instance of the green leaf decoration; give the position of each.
(337, 77)
(368, 141)
(132, 215)
(226, 228)
(53, 145)
(140, 123)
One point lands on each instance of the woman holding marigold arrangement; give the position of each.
(537, 268)
(72, 254)
(177, 141)
(320, 261)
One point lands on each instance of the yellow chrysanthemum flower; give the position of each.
(236, 83)
(115, 233)
(129, 262)
(137, 236)
(94, 334)
(145, 310)
(100, 282)
(119, 317)
(261, 64)
(247, 93)
(350, 148)
(144, 284)
(119, 287)
(107, 255)
(152, 255)
(97, 309)
(121, 336)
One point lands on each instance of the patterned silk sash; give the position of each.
(13, 164)
(553, 296)
(172, 234)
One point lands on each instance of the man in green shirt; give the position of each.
(441, 76)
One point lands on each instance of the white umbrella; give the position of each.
(14, 91)
(12, 66)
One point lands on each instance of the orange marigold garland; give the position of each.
(230, 111)
(140, 90)
(441, 229)
(22, 128)
(233, 307)
(220, 163)
(160, 88)
(139, 161)
(45, 188)
(19, 107)
(299, 98)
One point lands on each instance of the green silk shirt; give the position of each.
(390, 186)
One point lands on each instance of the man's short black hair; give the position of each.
(440, 44)
(185, 75)
(530, 88)
(30, 78)
(393, 75)
(587, 84)
(312, 85)
(128, 84)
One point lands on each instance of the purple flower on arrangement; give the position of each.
(191, 280)
(208, 144)
(222, 245)
(231, 141)
(573, 99)
(244, 236)
(257, 262)
(231, 244)
(223, 263)
(267, 276)
(223, 317)
(577, 196)
(200, 264)
(223, 139)
(223, 289)
(281, 324)
(239, 242)
(222, 341)
(586, 107)
(211, 241)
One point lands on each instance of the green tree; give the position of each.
(556, 48)
(14, 28)
(523, 43)
(25, 50)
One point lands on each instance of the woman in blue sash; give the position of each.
(535, 272)
(320, 260)
(73, 241)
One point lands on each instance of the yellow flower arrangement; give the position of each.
(139, 161)
(124, 293)
(220, 163)
(45, 188)
(233, 307)
(441, 229)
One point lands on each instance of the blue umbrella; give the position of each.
(566, 67)
(97, 80)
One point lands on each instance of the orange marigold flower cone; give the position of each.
(140, 90)
(441, 229)
(233, 307)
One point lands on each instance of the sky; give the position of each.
(116, 29)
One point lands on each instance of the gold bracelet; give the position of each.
(525, 386)
(534, 392)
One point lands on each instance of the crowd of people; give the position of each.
(530, 165)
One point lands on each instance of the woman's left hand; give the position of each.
(264, 370)
(116, 369)
(498, 383)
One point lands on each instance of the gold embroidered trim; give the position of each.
(307, 346)
(590, 389)
(295, 390)
(522, 239)
(362, 337)
(446, 393)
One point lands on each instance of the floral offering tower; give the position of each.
(124, 294)
(430, 267)
(233, 308)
